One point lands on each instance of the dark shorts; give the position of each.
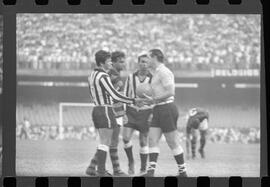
(103, 117)
(138, 120)
(165, 117)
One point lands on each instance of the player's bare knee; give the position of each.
(106, 141)
(114, 143)
(171, 140)
(143, 139)
(152, 142)
(143, 142)
(172, 143)
(126, 137)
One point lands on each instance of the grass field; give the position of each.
(71, 157)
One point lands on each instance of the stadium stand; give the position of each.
(78, 124)
(191, 42)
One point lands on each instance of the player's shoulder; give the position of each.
(100, 74)
(165, 70)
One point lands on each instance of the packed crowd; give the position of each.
(190, 42)
(215, 135)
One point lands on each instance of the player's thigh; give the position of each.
(168, 116)
(154, 136)
(115, 136)
(105, 136)
(194, 134)
(172, 139)
(143, 137)
(127, 133)
(116, 132)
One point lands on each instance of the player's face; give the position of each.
(120, 64)
(143, 63)
(151, 61)
(108, 64)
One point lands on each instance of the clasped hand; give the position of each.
(144, 101)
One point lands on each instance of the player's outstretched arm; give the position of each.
(106, 83)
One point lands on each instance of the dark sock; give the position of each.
(143, 161)
(152, 161)
(114, 159)
(193, 147)
(179, 159)
(202, 142)
(101, 160)
(93, 162)
(129, 154)
(180, 162)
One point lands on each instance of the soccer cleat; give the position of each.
(201, 151)
(182, 174)
(131, 168)
(91, 172)
(104, 174)
(120, 173)
(142, 172)
(149, 173)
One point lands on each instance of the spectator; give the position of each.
(193, 42)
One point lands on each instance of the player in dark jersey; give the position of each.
(137, 118)
(197, 120)
(118, 64)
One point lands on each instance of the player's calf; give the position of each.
(177, 151)
(144, 151)
(128, 149)
(193, 147)
(153, 156)
(202, 143)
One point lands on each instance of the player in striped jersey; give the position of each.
(118, 64)
(197, 121)
(103, 94)
(138, 118)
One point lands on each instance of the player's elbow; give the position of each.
(170, 90)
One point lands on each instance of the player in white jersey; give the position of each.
(165, 114)
(137, 118)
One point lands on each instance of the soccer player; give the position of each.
(137, 118)
(104, 94)
(165, 114)
(118, 64)
(198, 119)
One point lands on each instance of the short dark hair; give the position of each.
(158, 54)
(141, 56)
(101, 56)
(116, 55)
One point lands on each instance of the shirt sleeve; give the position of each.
(106, 82)
(167, 78)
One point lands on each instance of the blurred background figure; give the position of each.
(197, 125)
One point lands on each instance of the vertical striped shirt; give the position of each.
(133, 82)
(102, 91)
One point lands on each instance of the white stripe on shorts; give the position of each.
(107, 115)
